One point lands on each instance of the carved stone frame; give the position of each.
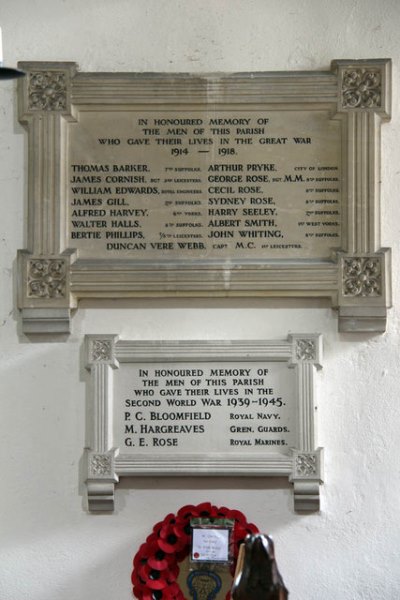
(105, 464)
(52, 277)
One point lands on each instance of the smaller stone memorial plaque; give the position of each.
(203, 408)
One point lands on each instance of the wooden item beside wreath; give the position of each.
(156, 564)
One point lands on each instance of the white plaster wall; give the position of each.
(51, 549)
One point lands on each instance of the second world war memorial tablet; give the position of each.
(252, 184)
(215, 408)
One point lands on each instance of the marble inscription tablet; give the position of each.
(203, 408)
(229, 185)
(252, 184)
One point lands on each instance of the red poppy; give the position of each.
(142, 556)
(182, 529)
(234, 514)
(157, 526)
(169, 519)
(160, 560)
(137, 581)
(171, 592)
(139, 584)
(205, 509)
(169, 541)
(154, 579)
(152, 595)
(187, 512)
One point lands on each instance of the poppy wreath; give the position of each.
(155, 565)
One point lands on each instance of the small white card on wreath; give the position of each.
(210, 545)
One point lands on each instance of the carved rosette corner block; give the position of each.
(100, 465)
(306, 349)
(362, 276)
(100, 350)
(101, 480)
(361, 88)
(364, 85)
(364, 291)
(46, 88)
(46, 278)
(306, 477)
(43, 293)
